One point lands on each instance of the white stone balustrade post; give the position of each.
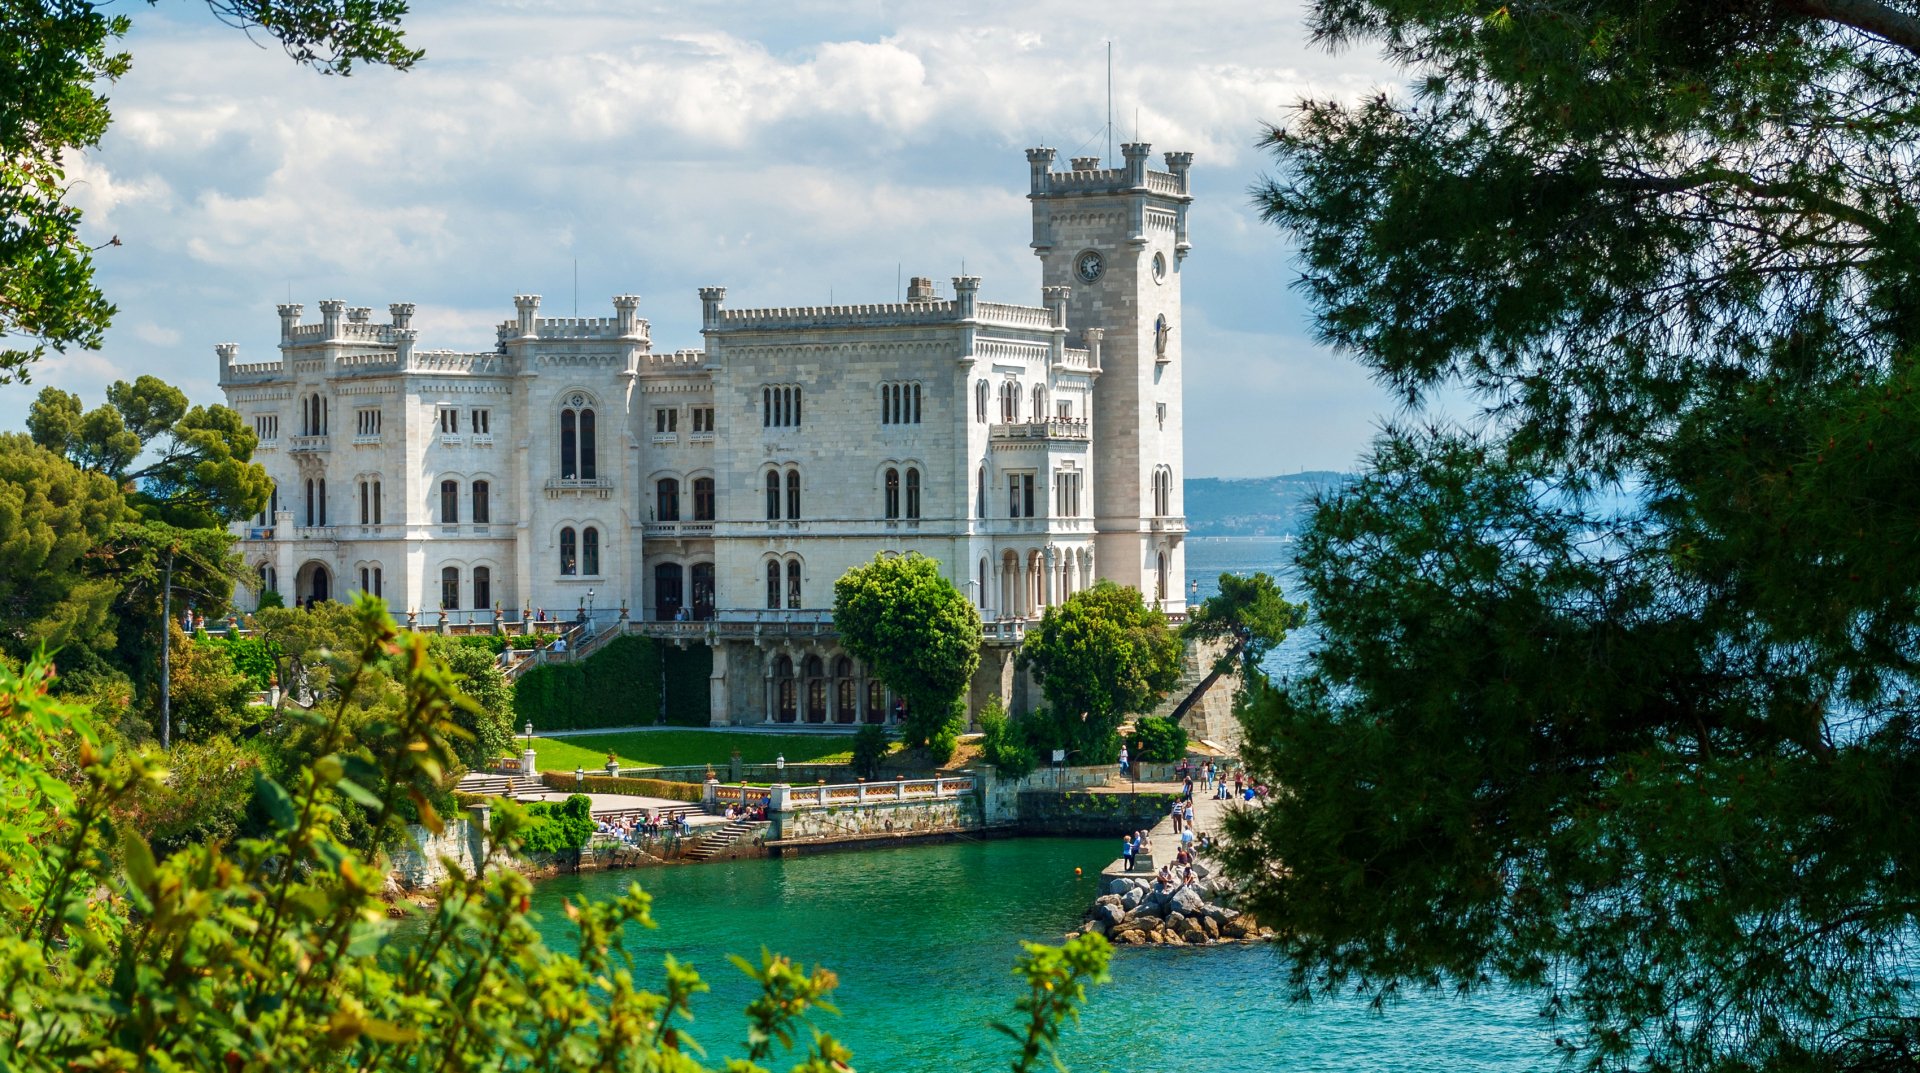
(938, 786)
(900, 790)
(711, 798)
(823, 795)
(861, 794)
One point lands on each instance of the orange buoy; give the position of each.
(1076, 871)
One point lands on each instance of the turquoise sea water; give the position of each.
(923, 939)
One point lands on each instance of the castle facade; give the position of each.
(717, 493)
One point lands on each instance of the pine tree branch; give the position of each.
(1868, 16)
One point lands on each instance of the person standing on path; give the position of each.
(1126, 851)
(1178, 814)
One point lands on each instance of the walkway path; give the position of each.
(784, 729)
(1207, 817)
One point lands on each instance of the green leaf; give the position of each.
(278, 802)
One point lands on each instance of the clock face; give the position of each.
(1159, 268)
(1089, 265)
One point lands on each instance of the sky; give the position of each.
(795, 153)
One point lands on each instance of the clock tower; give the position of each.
(1117, 238)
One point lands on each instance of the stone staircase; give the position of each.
(718, 841)
(488, 785)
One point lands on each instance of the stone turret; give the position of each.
(289, 319)
(402, 313)
(966, 292)
(1055, 299)
(403, 339)
(226, 352)
(1085, 163)
(330, 311)
(527, 306)
(711, 299)
(1040, 164)
(1136, 154)
(1093, 337)
(920, 289)
(359, 314)
(626, 314)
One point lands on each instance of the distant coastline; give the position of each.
(1255, 506)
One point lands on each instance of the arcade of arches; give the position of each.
(815, 687)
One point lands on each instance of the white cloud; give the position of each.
(787, 153)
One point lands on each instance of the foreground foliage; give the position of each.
(276, 953)
(1617, 697)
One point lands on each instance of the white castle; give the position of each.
(716, 494)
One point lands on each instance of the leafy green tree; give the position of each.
(1100, 655)
(489, 723)
(1248, 613)
(1616, 698)
(1004, 744)
(51, 517)
(275, 952)
(870, 747)
(306, 643)
(201, 474)
(1160, 741)
(919, 634)
(57, 58)
(210, 697)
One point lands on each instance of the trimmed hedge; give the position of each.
(689, 672)
(691, 792)
(616, 686)
(557, 827)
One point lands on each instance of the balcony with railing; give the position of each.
(1070, 429)
(585, 487)
(307, 443)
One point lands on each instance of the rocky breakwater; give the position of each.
(1132, 913)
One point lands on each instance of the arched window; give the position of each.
(816, 690)
(773, 584)
(666, 497)
(766, 407)
(1160, 578)
(793, 584)
(982, 596)
(981, 394)
(793, 494)
(773, 495)
(1039, 402)
(588, 467)
(1009, 402)
(913, 493)
(310, 514)
(892, 500)
(323, 501)
(703, 499)
(783, 680)
(702, 577)
(482, 507)
(844, 691)
(876, 701)
(916, 403)
(666, 592)
(886, 404)
(568, 552)
(981, 494)
(449, 502)
(590, 551)
(482, 588)
(569, 445)
(376, 505)
(449, 588)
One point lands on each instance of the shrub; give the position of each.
(1160, 740)
(870, 747)
(269, 598)
(690, 792)
(558, 828)
(1004, 743)
(689, 673)
(250, 656)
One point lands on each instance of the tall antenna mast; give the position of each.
(1109, 104)
(576, 286)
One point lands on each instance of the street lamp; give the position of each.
(780, 766)
(589, 604)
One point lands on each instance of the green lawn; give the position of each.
(674, 748)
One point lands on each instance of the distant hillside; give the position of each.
(1255, 506)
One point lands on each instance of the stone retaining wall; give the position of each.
(877, 819)
(1095, 815)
